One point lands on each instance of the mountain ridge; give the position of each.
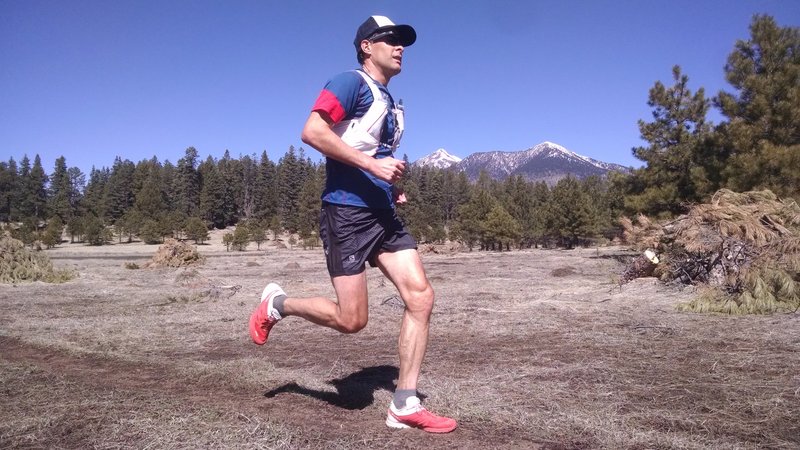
(547, 161)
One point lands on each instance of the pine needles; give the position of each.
(174, 253)
(19, 264)
(742, 248)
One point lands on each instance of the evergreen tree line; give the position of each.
(153, 200)
(686, 160)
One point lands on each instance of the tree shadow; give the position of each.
(355, 391)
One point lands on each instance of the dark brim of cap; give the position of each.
(405, 33)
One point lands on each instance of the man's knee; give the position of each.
(420, 299)
(351, 325)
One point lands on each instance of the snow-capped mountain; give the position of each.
(439, 159)
(546, 162)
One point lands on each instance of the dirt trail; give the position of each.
(528, 349)
(308, 409)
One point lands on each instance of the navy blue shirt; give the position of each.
(347, 96)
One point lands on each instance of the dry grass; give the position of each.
(528, 349)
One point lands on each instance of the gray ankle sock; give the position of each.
(401, 395)
(277, 303)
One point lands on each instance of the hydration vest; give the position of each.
(364, 133)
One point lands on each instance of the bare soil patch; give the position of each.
(531, 349)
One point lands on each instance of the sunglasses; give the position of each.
(387, 37)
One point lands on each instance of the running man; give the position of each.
(357, 125)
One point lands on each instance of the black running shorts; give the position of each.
(351, 236)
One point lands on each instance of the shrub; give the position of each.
(18, 264)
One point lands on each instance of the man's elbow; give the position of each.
(306, 136)
(312, 132)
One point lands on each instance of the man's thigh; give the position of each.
(351, 295)
(404, 268)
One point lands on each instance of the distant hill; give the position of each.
(546, 162)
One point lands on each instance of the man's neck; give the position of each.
(375, 73)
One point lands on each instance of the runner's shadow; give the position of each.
(355, 391)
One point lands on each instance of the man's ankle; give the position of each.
(401, 395)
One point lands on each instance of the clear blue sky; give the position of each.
(91, 80)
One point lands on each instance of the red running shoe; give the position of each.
(265, 316)
(414, 415)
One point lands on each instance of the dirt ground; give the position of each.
(528, 349)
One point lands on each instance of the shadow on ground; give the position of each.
(355, 391)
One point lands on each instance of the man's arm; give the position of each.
(317, 133)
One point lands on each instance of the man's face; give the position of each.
(387, 54)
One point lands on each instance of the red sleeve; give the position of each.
(330, 105)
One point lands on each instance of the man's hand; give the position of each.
(399, 195)
(388, 169)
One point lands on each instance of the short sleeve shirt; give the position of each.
(347, 96)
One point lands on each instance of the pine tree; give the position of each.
(52, 233)
(149, 199)
(119, 190)
(412, 212)
(38, 189)
(501, 228)
(168, 173)
(95, 195)
(249, 174)
(129, 224)
(763, 132)
(8, 189)
(94, 230)
(309, 204)
(290, 182)
(60, 196)
(31, 198)
(212, 194)
(455, 192)
(604, 220)
(230, 170)
(151, 232)
(186, 184)
(472, 217)
(519, 202)
(21, 203)
(241, 237)
(265, 195)
(77, 183)
(258, 232)
(432, 196)
(677, 137)
(536, 226)
(570, 213)
(196, 230)
(175, 222)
